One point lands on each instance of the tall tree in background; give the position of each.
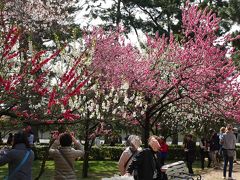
(42, 21)
(162, 16)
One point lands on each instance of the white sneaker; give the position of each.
(223, 177)
(230, 178)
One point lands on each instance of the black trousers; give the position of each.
(204, 155)
(189, 166)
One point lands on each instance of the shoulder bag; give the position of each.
(125, 165)
(19, 166)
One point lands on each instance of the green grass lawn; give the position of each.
(97, 169)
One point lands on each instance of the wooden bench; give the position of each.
(178, 170)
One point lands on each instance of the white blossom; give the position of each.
(126, 100)
(134, 114)
(114, 111)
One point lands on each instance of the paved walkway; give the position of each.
(217, 174)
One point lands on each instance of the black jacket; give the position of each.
(191, 153)
(144, 164)
(214, 142)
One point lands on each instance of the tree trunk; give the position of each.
(35, 132)
(85, 160)
(118, 12)
(86, 150)
(146, 130)
(23, 46)
(175, 138)
(45, 158)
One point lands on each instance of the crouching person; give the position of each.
(65, 156)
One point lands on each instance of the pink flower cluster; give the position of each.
(195, 70)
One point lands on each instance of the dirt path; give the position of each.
(217, 174)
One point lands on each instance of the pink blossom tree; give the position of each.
(37, 90)
(193, 72)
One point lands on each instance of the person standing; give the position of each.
(190, 152)
(31, 138)
(163, 150)
(129, 153)
(222, 131)
(228, 145)
(64, 156)
(235, 132)
(214, 148)
(19, 158)
(146, 164)
(203, 145)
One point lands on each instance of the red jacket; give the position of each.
(164, 147)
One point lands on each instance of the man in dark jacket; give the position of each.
(190, 152)
(146, 165)
(214, 148)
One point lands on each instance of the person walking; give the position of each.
(129, 153)
(146, 164)
(64, 156)
(228, 145)
(190, 152)
(19, 158)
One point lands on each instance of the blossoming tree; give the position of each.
(39, 88)
(45, 94)
(196, 71)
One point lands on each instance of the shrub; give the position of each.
(176, 152)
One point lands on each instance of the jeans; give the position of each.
(226, 160)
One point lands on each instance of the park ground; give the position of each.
(100, 169)
(217, 174)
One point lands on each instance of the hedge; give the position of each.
(114, 152)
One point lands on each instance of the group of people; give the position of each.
(217, 147)
(143, 164)
(21, 156)
(211, 148)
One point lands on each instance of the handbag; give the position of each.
(19, 166)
